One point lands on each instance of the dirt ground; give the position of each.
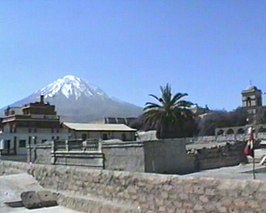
(11, 186)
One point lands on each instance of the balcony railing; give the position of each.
(76, 145)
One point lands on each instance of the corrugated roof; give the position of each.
(98, 127)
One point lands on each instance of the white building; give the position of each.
(38, 122)
(33, 123)
(103, 131)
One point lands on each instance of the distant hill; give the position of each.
(77, 101)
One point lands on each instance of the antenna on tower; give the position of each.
(250, 82)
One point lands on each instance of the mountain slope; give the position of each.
(77, 101)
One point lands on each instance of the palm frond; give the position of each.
(183, 104)
(166, 94)
(152, 116)
(152, 104)
(177, 97)
(156, 97)
(170, 112)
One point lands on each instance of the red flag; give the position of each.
(249, 149)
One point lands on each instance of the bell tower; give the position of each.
(252, 101)
(252, 97)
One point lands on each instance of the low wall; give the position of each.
(225, 138)
(78, 158)
(228, 154)
(160, 156)
(167, 156)
(123, 156)
(218, 138)
(150, 192)
(39, 154)
(70, 155)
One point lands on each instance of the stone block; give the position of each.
(198, 190)
(198, 207)
(47, 198)
(164, 194)
(203, 199)
(30, 200)
(240, 203)
(33, 199)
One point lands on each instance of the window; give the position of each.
(124, 137)
(57, 137)
(22, 143)
(29, 130)
(12, 128)
(34, 139)
(44, 140)
(248, 102)
(7, 144)
(84, 136)
(104, 136)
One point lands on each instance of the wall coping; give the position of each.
(30, 168)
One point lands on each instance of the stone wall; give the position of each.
(223, 138)
(229, 154)
(167, 156)
(66, 153)
(215, 139)
(159, 156)
(40, 153)
(149, 192)
(79, 158)
(123, 156)
(12, 167)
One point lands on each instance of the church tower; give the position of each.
(252, 97)
(252, 101)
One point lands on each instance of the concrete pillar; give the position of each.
(52, 152)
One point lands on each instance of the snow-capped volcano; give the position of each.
(77, 101)
(71, 87)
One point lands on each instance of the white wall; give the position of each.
(40, 135)
(99, 134)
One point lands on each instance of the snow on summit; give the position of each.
(71, 87)
(76, 100)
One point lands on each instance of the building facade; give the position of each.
(33, 123)
(256, 114)
(37, 122)
(100, 131)
(252, 101)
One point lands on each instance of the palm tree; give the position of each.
(169, 115)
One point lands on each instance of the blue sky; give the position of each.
(208, 49)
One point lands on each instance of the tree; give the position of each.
(169, 115)
(218, 119)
